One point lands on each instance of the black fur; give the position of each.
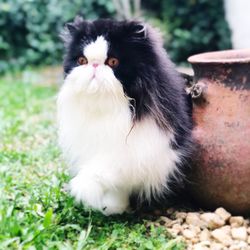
(148, 76)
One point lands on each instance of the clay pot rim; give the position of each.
(223, 56)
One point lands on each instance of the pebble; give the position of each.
(227, 229)
(188, 234)
(205, 235)
(222, 236)
(247, 221)
(213, 220)
(176, 229)
(200, 247)
(194, 219)
(165, 220)
(236, 221)
(196, 229)
(195, 240)
(181, 215)
(239, 233)
(239, 246)
(217, 246)
(173, 222)
(173, 232)
(185, 226)
(224, 214)
(216, 230)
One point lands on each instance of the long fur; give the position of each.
(124, 130)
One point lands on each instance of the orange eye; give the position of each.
(112, 62)
(82, 60)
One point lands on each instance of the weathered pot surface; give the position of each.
(221, 162)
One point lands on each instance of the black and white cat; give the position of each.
(124, 119)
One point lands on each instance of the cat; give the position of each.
(124, 122)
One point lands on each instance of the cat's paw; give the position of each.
(86, 191)
(115, 202)
(92, 194)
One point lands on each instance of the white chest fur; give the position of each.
(108, 156)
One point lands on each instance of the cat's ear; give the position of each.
(70, 29)
(74, 26)
(137, 30)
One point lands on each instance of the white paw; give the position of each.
(115, 202)
(93, 195)
(86, 191)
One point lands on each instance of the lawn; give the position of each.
(34, 211)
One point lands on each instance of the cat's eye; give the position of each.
(112, 62)
(82, 60)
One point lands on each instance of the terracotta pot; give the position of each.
(221, 175)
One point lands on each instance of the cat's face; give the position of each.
(107, 55)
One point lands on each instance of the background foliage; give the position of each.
(192, 26)
(30, 28)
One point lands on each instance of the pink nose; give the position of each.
(95, 65)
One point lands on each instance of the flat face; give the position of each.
(110, 51)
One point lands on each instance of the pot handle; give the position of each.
(195, 89)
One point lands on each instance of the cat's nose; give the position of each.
(95, 65)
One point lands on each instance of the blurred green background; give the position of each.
(29, 29)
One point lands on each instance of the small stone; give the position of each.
(185, 226)
(164, 219)
(239, 233)
(234, 247)
(236, 221)
(216, 246)
(188, 234)
(181, 215)
(172, 222)
(247, 222)
(222, 236)
(239, 246)
(173, 232)
(196, 229)
(225, 215)
(213, 220)
(205, 235)
(200, 246)
(195, 240)
(248, 239)
(227, 229)
(194, 219)
(177, 227)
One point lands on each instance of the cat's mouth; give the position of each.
(93, 76)
(96, 76)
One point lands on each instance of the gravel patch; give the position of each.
(217, 230)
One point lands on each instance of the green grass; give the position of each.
(34, 211)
